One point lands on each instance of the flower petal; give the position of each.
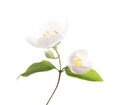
(79, 70)
(79, 53)
(32, 41)
(52, 28)
(87, 63)
(49, 41)
(82, 54)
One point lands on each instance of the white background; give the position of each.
(93, 25)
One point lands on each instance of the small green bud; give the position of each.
(49, 54)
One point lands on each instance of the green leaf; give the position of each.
(91, 75)
(38, 67)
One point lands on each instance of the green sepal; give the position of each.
(38, 67)
(91, 75)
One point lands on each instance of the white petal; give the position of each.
(87, 63)
(48, 42)
(82, 54)
(66, 27)
(51, 26)
(32, 41)
(79, 70)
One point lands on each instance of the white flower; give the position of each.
(51, 34)
(79, 63)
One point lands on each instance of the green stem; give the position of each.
(60, 71)
(55, 87)
(55, 48)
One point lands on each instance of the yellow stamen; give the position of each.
(46, 33)
(56, 32)
(77, 62)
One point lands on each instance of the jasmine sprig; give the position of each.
(79, 65)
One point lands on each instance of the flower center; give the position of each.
(77, 62)
(47, 32)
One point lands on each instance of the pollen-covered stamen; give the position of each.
(77, 62)
(56, 32)
(46, 33)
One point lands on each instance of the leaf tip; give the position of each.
(101, 80)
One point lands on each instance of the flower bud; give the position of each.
(49, 54)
